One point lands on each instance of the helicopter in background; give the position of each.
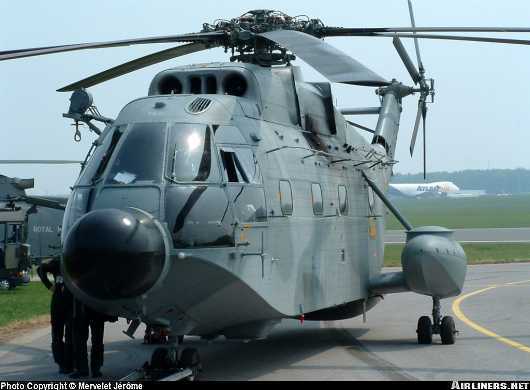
(15, 259)
(236, 194)
(30, 226)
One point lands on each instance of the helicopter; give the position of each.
(43, 213)
(14, 252)
(235, 195)
(30, 226)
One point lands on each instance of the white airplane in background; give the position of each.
(442, 188)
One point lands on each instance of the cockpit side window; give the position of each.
(108, 153)
(232, 173)
(100, 157)
(190, 154)
(240, 165)
(140, 156)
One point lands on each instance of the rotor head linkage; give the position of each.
(396, 88)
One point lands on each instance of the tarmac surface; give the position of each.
(494, 342)
(497, 235)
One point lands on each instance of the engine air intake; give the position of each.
(170, 85)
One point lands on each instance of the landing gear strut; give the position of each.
(167, 364)
(445, 326)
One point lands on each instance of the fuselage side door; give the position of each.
(244, 184)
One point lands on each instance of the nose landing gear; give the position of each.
(445, 326)
(169, 364)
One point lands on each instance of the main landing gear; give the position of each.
(445, 326)
(169, 364)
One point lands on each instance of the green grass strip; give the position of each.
(24, 303)
(476, 253)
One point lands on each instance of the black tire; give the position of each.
(161, 359)
(448, 330)
(189, 358)
(424, 330)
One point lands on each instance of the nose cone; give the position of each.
(114, 254)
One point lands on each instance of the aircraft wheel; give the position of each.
(190, 358)
(424, 330)
(448, 330)
(162, 359)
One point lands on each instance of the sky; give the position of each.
(480, 118)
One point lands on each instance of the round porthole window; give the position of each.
(371, 197)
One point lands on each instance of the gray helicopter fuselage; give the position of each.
(256, 183)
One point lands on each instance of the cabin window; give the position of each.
(343, 200)
(240, 165)
(286, 197)
(316, 195)
(140, 156)
(371, 198)
(190, 154)
(14, 234)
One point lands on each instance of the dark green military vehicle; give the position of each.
(15, 261)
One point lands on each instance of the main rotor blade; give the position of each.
(416, 44)
(367, 31)
(47, 203)
(39, 162)
(136, 64)
(457, 38)
(407, 61)
(331, 62)
(196, 37)
(416, 127)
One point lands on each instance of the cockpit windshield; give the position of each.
(190, 154)
(135, 155)
(140, 156)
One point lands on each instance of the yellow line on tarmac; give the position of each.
(462, 317)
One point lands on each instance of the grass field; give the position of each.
(476, 253)
(481, 212)
(24, 303)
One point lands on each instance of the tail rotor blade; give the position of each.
(424, 116)
(416, 128)
(407, 61)
(416, 44)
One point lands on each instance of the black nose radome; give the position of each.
(114, 254)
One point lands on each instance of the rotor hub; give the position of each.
(246, 46)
